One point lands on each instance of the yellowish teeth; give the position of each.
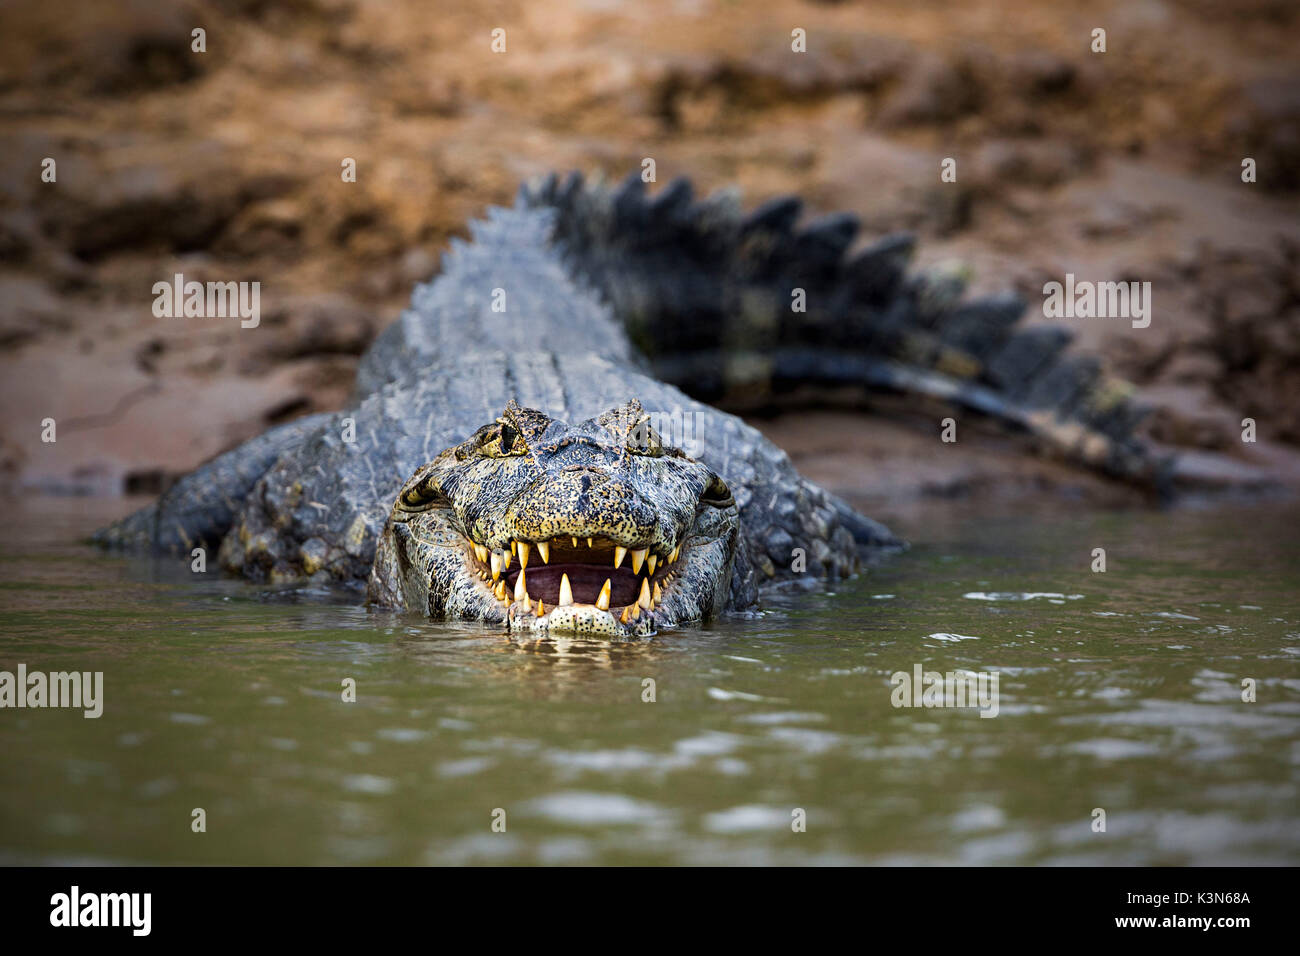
(624, 617)
(638, 559)
(575, 542)
(635, 610)
(496, 565)
(521, 590)
(512, 547)
(541, 608)
(589, 544)
(566, 592)
(651, 562)
(602, 601)
(505, 560)
(658, 595)
(501, 591)
(619, 555)
(544, 550)
(523, 555)
(672, 558)
(644, 599)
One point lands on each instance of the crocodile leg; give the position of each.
(199, 509)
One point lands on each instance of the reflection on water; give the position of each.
(1120, 691)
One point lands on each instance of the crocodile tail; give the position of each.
(737, 307)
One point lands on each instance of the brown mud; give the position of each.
(1123, 165)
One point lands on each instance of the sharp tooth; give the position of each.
(496, 565)
(544, 550)
(521, 589)
(658, 595)
(481, 552)
(636, 610)
(619, 555)
(651, 562)
(501, 591)
(541, 608)
(505, 560)
(638, 558)
(624, 616)
(644, 599)
(589, 544)
(602, 601)
(523, 554)
(672, 558)
(528, 605)
(575, 542)
(566, 592)
(512, 547)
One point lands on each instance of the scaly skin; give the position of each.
(538, 316)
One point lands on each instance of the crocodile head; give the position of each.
(593, 528)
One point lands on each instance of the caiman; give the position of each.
(529, 444)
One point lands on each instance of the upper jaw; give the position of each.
(595, 585)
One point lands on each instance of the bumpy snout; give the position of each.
(586, 502)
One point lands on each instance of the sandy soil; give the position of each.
(226, 165)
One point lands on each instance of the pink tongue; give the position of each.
(585, 580)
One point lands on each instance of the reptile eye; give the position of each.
(421, 494)
(500, 440)
(642, 439)
(717, 494)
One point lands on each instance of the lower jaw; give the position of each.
(580, 620)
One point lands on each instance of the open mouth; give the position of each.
(538, 576)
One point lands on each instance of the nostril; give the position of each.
(584, 483)
(588, 476)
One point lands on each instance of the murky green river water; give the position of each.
(1120, 691)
